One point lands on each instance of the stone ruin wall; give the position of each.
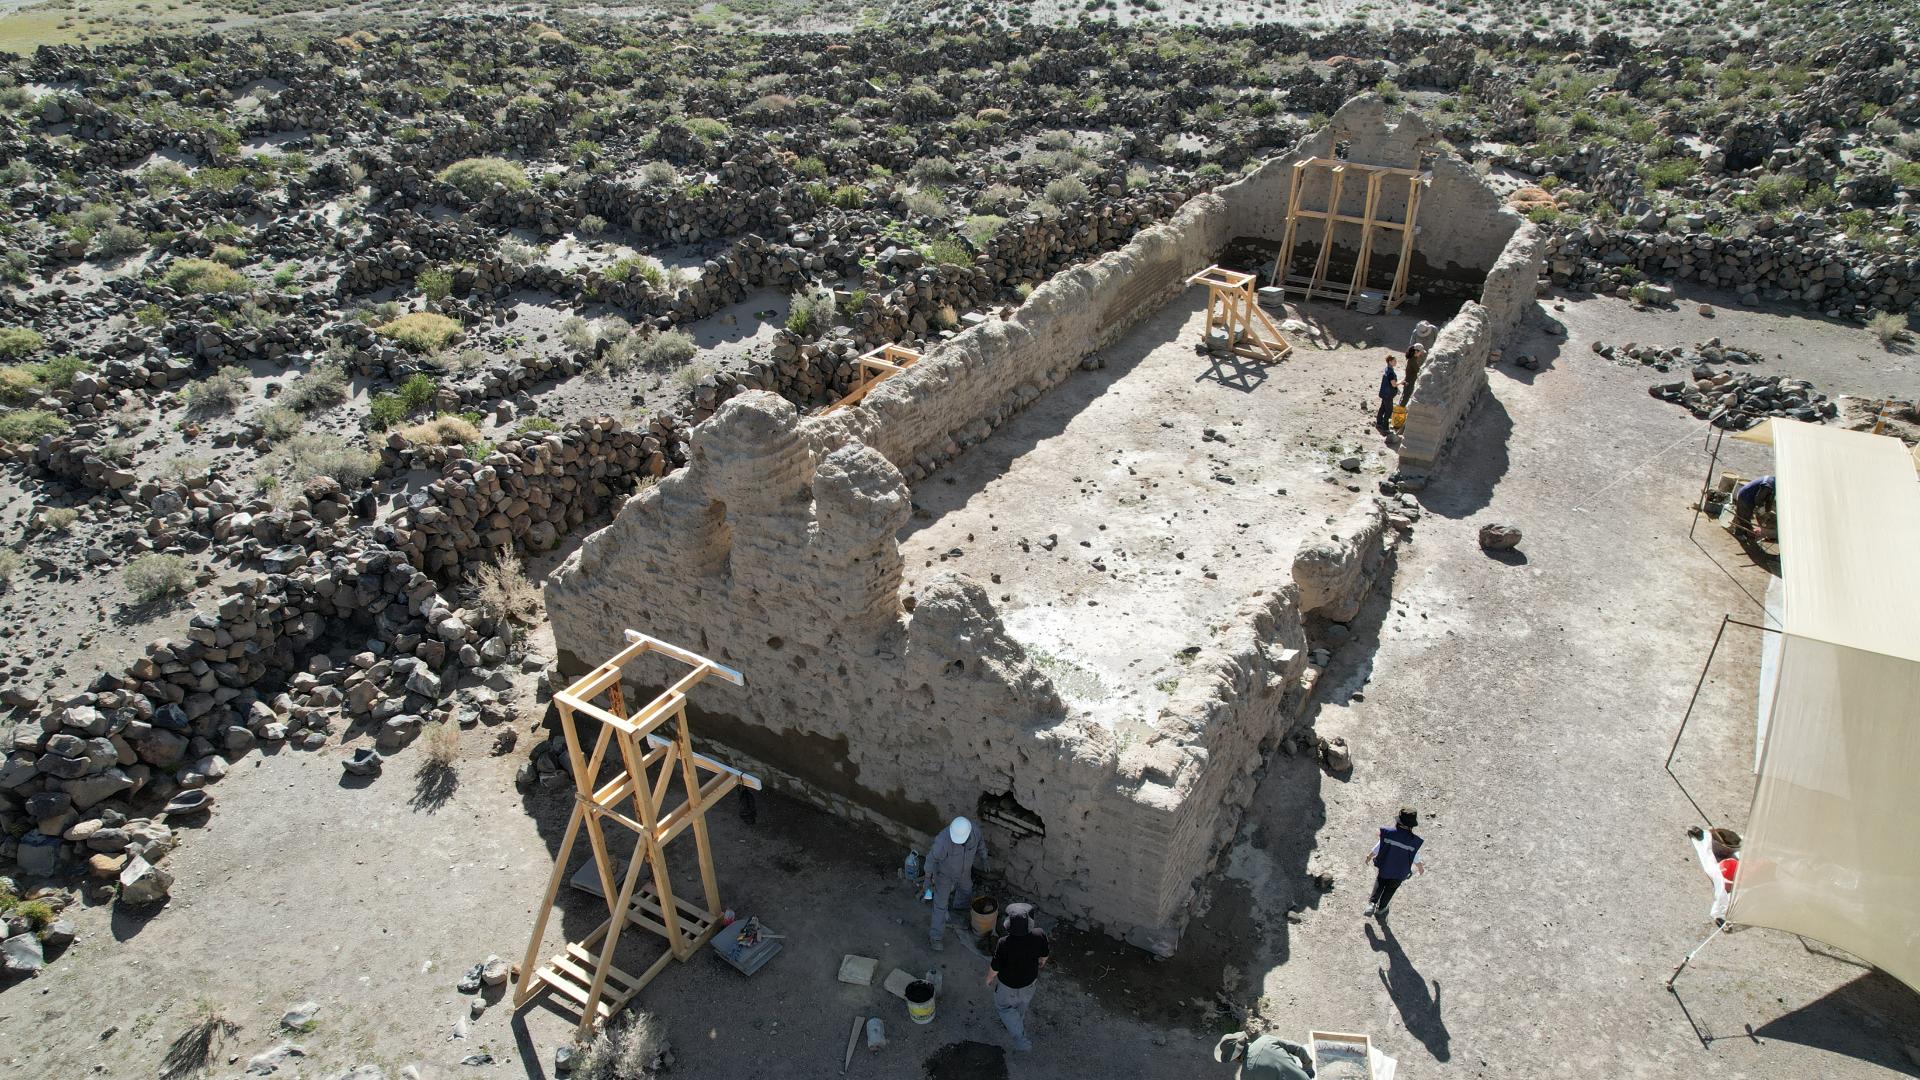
(775, 550)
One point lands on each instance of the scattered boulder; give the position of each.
(1499, 537)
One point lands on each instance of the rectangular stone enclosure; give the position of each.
(779, 550)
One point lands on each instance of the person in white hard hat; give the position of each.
(949, 873)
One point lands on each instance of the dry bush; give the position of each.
(443, 743)
(9, 566)
(421, 331)
(278, 422)
(324, 385)
(476, 177)
(306, 456)
(1889, 327)
(58, 519)
(218, 392)
(444, 430)
(153, 577)
(500, 591)
(195, 1048)
(631, 1051)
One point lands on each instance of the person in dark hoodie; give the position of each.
(1395, 858)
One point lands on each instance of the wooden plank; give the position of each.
(1326, 235)
(1366, 240)
(690, 658)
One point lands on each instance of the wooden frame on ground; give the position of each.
(1369, 221)
(872, 368)
(582, 975)
(1234, 310)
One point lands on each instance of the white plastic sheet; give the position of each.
(1831, 849)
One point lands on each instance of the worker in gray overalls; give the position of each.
(949, 873)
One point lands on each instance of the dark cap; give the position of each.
(1409, 817)
(1018, 926)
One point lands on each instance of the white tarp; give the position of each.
(1831, 848)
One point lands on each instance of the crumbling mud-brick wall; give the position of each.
(1455, 373)
(776, 554)
(1464, 225)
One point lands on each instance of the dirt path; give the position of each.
(1525, 707)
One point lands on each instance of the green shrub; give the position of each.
(926, 202)
(948, 251)
(533, 425)
(1670, 172)
(19, 342)
(1889, 327)
(476, 177)
(153, 577)
(388, 409)
(200, 276)
(644, 267)
(23, 425)
(848, 197)
(810, 313)
(707, 128)
(115, 241)
(230, 255)
(1065, 190)
(934, 170)
(279, 422)
(434, 283)
(421, 331)
(38, 913)
(982, 228)
(810, 167)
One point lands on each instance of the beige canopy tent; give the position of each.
(1830, 849)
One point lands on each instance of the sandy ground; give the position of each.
(1123, 516)
(1525, 705)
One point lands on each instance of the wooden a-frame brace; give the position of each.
(1233, 309)
(582, 975)
(1369, 222)
(871, 369)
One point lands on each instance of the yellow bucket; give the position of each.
(983, 910)
(920, 1001)
(1399, 417)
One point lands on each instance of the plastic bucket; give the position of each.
(1725, 842)
(984, 909)
(920, 1001)
(1399, 417)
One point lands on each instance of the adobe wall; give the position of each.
(774, 550)
(780, 558)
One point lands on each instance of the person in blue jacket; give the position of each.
(1389, 386)
(1395, 857)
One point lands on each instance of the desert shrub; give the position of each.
(577, 334)
(323, 386)
(665, 349)
(166, 176)
(24, 424)
(153, 577)
(19, 342)
(443, 430)
(810, 313)
(1066, 189)
(198, 276)
(434, 282)
(642, 267)
(1670, 172)
(408, 398)
(810, 167)
(279, 422)
(38, 913)
(518, 253)
(1138, 177)
(1888, 327)
(982, 228)
(9, 566)
(229, 255)
(624, 1052)
(312, 454)
(443, 743)
(476, 177)
(534, 425)
(500, 591)
(993, 116)
(658, 173)
(115, 241)
(846, 196)
(592, 225)
(948, 251)
(420, 331)
(926, 202)
(707, 128)
(59, 519)
(218, 392)
(19, 382)
(998, 199)
(934, 170)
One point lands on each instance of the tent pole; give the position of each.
(1688, 959)
(1702, 681)
(1713, 458)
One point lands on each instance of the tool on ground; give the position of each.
(853, 1040)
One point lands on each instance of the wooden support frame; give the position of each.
(1233, 308)
(1370, 221)
(582, 975)
(872, 368)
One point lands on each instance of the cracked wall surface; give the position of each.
(776, 550)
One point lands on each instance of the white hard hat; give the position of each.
(960, 830)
